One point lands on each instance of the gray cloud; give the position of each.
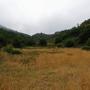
(34, 16)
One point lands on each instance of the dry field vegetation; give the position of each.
(45, 69)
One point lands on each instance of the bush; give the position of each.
(60, 45)
(58, 40)
(43, 42)
(88, 42)
(15, 51)
(86, 47)
(11, 50)
(50, 45)
(69, 43)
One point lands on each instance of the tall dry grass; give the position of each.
(45, 69)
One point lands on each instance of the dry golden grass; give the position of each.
(45, 69)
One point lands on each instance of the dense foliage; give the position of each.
(14, 38)
(76, 37)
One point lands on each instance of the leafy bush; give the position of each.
(58, 40)
(50, 45)
(15, 51)
(88, 42)
(60, 45)
(43, 42)
(11, 50)
(86, 47)
(69, 43)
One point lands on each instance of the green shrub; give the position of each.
(60, 45)
(86, 47)
(69, 43)
(50, 45)
(58, 40)
(15, 51)
(11, 50)
(88, 42)
(43, 42)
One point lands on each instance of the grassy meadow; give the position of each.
(45, 69)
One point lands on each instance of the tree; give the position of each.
(58, 40)
(88, 42)
(69, 43)
(43, 42)
(3, 42)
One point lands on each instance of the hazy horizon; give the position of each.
(47, 16)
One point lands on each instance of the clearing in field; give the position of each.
(45, 69)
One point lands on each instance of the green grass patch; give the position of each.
(9, 49)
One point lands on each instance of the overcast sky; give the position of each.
(48, 16)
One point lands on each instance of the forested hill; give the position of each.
(74, 37)
(17, 39)
(77, 36)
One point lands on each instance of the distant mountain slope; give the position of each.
(74, 37)
(79, 35)
(38, 36)
(17, 39)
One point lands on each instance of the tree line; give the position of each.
(75, 37)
